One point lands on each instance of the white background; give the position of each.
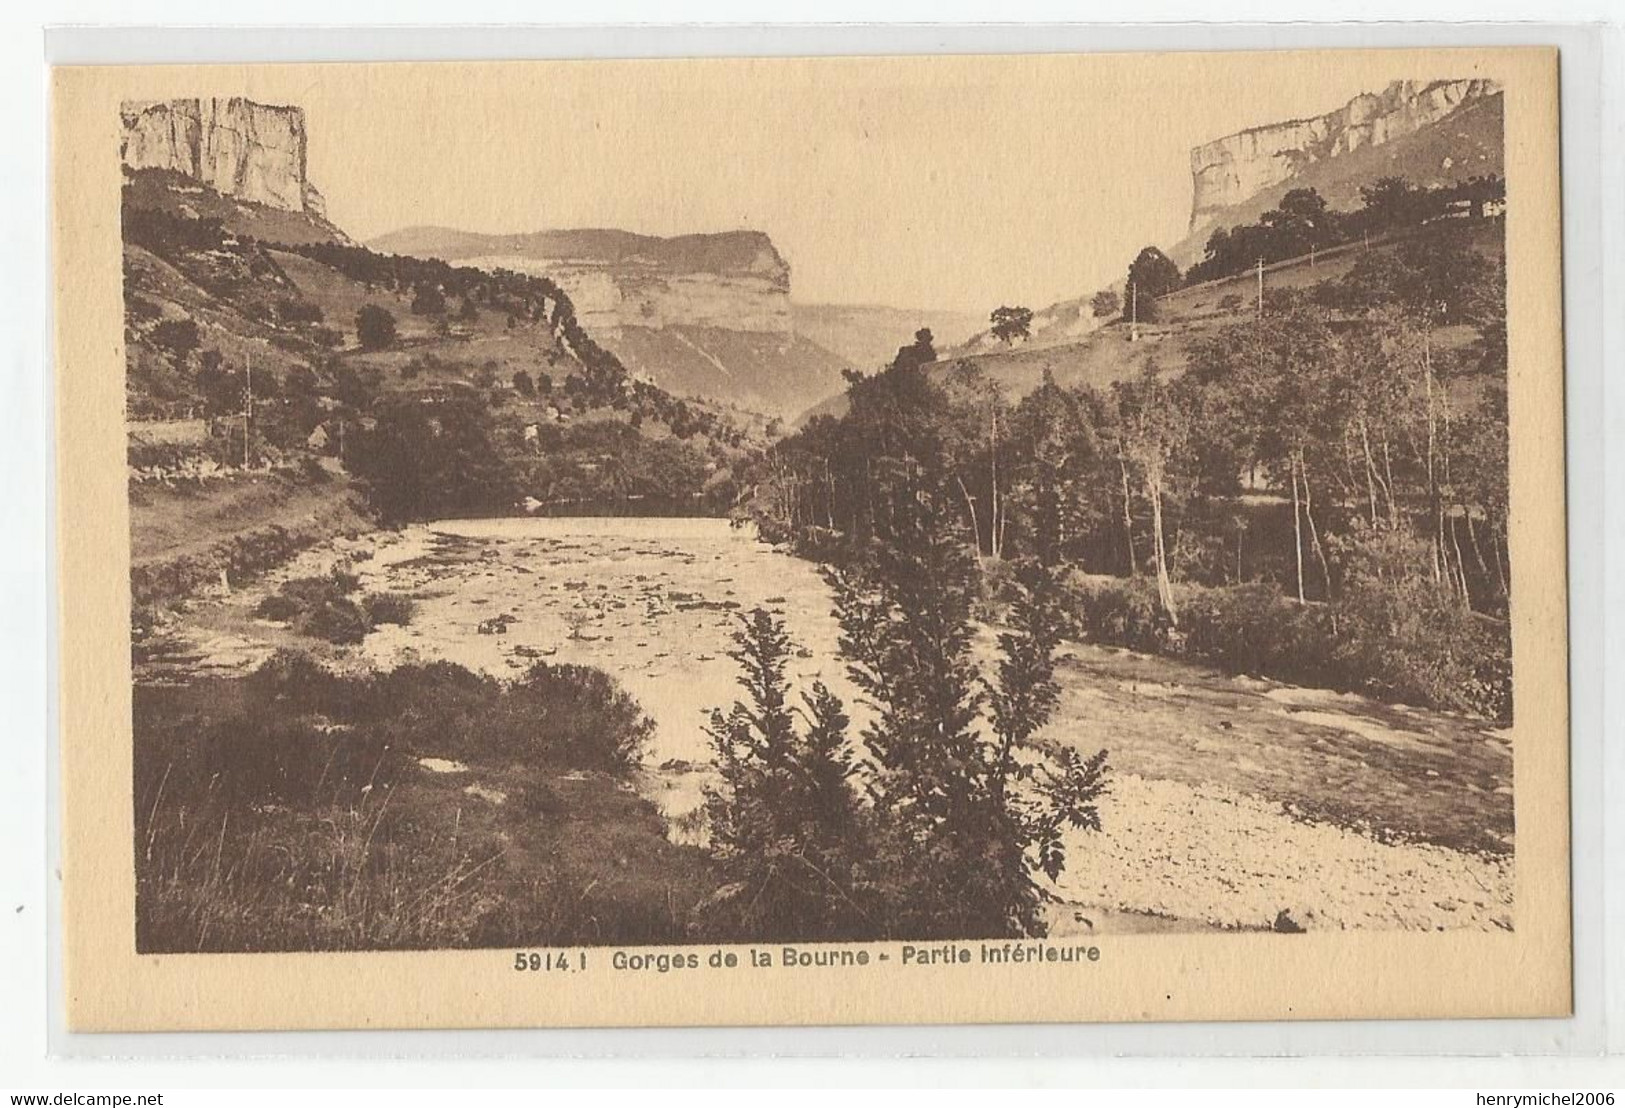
(37, 1056)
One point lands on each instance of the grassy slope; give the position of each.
(188, 536)
(171, 192)
(1106, 355)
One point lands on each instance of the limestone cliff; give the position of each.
(241, 149)
(1231, 170)
(705, 314)
(734, 280)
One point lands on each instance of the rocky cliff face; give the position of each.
(1232, 169)
(706, 315)
(734, 281)
(237, 147)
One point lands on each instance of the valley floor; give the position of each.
(1234, 803)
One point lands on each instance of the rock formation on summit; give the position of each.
(235, 146)
(1230, 170)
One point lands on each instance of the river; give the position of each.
(1234, 802)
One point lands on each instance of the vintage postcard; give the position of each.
(841, 540)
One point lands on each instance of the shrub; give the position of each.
(339, 621)
(279, 607)
(1256, 629)
(286, 811)
(1124, 611)
(319, 607)
(375, 327)
(388, 607)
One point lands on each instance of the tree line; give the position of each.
(1302, 222)
(1346, 448)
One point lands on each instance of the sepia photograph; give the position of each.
(602, 514)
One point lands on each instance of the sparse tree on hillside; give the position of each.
(921, 352)
(1152, 274)
(523, 383)
(177, 338)
(375, 327)
(429, 301)
(1010, 324)
(1105, 304)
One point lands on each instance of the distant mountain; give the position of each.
(705, 315)
(868, 335)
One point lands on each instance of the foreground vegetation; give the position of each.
(425, 807)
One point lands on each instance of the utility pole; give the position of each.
(1133, 312)
(248, 404)
(1261, 286)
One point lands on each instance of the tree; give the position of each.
(1105, 304)
(421, 461)
(967, 815)
(1010, 324)
(469, 313)
(786, 828)
(429, 300)
(176, 338)
(523, 383)
(920, 352)
(1388, 203)
(1054, 497)
(1154, 429)
(1301, 223)
(1151, 275)
(374, 327)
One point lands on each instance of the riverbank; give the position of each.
(227, 531)
(1235, 802)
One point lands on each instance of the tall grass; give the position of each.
(289, 811)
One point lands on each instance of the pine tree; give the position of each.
(785, 823)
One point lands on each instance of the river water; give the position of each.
(1232, 799)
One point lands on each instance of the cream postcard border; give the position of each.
(1368, 975)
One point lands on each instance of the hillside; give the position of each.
(704, 315)
(174, 193)
(1431, 135)
(1463, 143)
(1105, 354)
(486, 393)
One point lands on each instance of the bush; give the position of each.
(340, 621)
(1255, 629)
(1124, 611)
(279, 607)
(319, 607)
(388, 607)
(1397, 639)
(287, 811)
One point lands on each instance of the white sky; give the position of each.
(958, 183)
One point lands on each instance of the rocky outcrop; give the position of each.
(235, 146)
(734, 280)
(1232, 169)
